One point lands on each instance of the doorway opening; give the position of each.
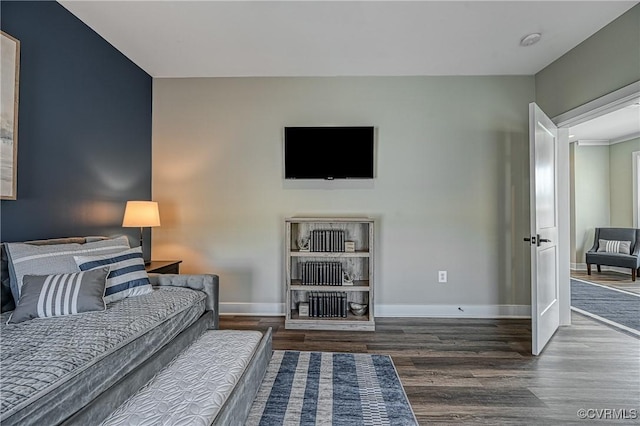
(604, 156)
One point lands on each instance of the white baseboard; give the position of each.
(261, 309)
(454, 311)
(420, 311)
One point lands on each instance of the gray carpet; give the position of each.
(612, 305)
(310, 388)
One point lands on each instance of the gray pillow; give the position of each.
(29, 259)
(46, 296)
(613, 246)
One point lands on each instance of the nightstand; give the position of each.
(163, 266)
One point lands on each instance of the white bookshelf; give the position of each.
(359, 264)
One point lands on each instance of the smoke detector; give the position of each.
(530, 39)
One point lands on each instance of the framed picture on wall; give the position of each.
(9, 77)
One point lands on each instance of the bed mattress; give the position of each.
(52, 367)
(195, 385)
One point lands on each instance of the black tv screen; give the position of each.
(328, 152)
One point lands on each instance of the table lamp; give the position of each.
(142, 214)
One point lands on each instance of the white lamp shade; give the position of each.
(141, 214)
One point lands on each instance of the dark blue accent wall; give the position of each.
(84, 135)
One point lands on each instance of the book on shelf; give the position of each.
(326, 304)
(327, 240)
(321, 273)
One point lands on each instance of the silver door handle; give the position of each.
(542, 240)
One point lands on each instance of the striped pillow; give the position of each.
(612, 246)
(127, 277)
(46, 296)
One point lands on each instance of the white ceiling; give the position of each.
(337, 38)
(614, 127)
(207, 38)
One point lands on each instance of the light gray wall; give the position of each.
(592, 195)
(451, 191)
(605, 62)
(602, 191)
(621, 178)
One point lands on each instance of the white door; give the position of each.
(543, 160)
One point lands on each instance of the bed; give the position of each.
(77, 369)
(53, 369)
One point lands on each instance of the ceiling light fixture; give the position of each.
(572, 136)
(530, 39)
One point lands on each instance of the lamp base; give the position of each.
(146, 261)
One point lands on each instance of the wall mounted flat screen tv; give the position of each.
(328, 152)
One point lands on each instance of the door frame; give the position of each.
(635, 164)
(603, 105)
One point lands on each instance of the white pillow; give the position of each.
(127, 276)
(28, 259)
(613, 246)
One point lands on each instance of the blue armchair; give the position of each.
(597, 256)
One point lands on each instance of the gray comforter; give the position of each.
(44, 361)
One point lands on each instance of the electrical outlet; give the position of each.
(442, 276)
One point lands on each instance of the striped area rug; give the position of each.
(325, 388)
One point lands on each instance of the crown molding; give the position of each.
(593, 142)
(625, 138)
(606, 142)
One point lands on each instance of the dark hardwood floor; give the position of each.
(468, 371)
